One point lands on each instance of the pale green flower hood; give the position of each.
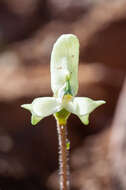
(64, 84)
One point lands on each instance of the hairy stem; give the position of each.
(63, 157)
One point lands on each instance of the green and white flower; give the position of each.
(64, 84)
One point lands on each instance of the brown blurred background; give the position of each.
(28, 155)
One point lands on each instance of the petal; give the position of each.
(45, 106)
(42, 107)
(64, 63)
(82, 106)
(34, 119)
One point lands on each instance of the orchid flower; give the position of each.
(64, 84)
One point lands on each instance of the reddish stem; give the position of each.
(63, 157)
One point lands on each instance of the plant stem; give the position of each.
(63, 157)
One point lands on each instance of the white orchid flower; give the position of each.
(64, 84)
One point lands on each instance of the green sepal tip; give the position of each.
(85, 119)
(35, 119)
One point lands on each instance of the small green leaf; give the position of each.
(68, 145)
